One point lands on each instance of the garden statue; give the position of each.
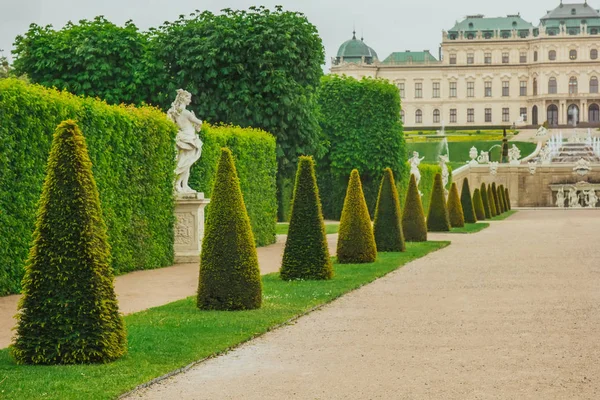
(591, 199)
(445, 174)
(560, 197)
(532, 167)
(574, 198)
(414, 166)
(513, 155)
(189, 145)
(484, 157)
(473, 156)
(494, 167)
(541, 131)
(546, 155)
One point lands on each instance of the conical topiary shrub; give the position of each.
(467, 203)
(455, 210)
(68, 311)
(504, 200)
(508, 198)
(387, 227)
(486, 202)
(413, 217)
(437, 219)
(356, 243)
(478, 205)
(501, 199)
(229, 274)
(306, 255)
(496, 199)
(491, 200)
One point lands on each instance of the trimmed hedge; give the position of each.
(229, 275)
(356, 243)
(455, 210)
(492, 201)
(69, 312)
(501, 199)
(496, 199)
(508, 199)
(132, 160)
(413, 217)
(306, 253)
(504, 199)
(254, 154)
(467, 203)
(478, 203)
(387, 227)
(437, 218)
(486, 201)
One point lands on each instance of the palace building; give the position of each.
(494, 72)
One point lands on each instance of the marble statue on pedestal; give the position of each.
(445, 173)
(473, 156)
(560, 198)
(591, 199)
(574, 198)
(541, 131)
(189, 145)
(513, 155)
(484, 157)
(414, 166)
(546, 155)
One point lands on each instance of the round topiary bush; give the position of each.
(229, 274)
(356, 242)
(306, 254)
(467, 203)
(455, 210)
(486, 202)
(68, 312)
(508, 198)
(492, 201)
(387, 227)
(437, 219)
(496, 199)
(478, 205)
(413, 217)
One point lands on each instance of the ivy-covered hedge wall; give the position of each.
(254, 155)
(132, 151)
(361, 123)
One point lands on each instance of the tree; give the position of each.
(504, 199)
(467, 203)
(413, 217)
(455, 210)
(4, 67)
(229, 274)
(437, 219)
(492, 201)
(496, 199)
(508, 199)
(388, 225)
(69, 312)
(486, 202)
(306, 254)
(356, 242)
(500, 191)
(478, 205)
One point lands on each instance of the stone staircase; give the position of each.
(573, 152)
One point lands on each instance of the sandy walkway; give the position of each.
(145, 289)
(512, 312)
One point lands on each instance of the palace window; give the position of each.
(452, 58)
(552, 86)
(470, 89)
(594, 54)
(470, 115)
(505, 115)
(488, 89)
(573, 55)
(504, 58)
(419, 116)
(535, 56)
(523, 57)
(418, 90)
(505, 88)
(523, 113)
(452, 89)
(436, 116)
(436, 90)
(552, 55)
(453, 115)
(470, 58)
(523, 88)
(488, 115)
(594, 85)
(487, 58)
(401, 89)
(573, 85)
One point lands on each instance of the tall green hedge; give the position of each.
(467, 203)
(414, 226)
(455, 210)
(478, 205)
(437, 218)
(387, 226)
(487, 208)
(254, 154)
(132, 152)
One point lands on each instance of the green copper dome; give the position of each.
(354, 50)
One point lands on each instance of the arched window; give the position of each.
(535, 90)
(593, 84)
(593, 54)
(436, 116)
(418, 116)
(594, 113)
(552, 55)
(552, 115)
(552, 86)
(573, 85)
(573, 55)
(535, 55)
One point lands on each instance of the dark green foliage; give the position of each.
(504, 158)
(455, 210)
(486, 202)
(229, 274)
(504, 199)
(500, 191)
(387, 227)
(360, 120)
(507, 198)
(356, 242)
(306, 255)
(69, 312)
(492, 201)
(467, 203)
(413, 217)
(478, 205)
(437, 218)
(256, 166)
(133, 163)
(496, 199)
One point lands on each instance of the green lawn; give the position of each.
(459, 151)
(282, 228)
(169, 337)
(503, 216)
(471, 228)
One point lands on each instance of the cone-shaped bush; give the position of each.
(387, 227)
(467, 203)
(496, 199)
(69, 312)
(356, 242)
(486, 202)
(437, 219)
(455, 210)
(504, 199)
(501, 199)
(478, 205)
(229, 274)
(507, 198)
(492, 202)
(306, 255)
(413, 217)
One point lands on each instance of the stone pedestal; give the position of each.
(189, 226)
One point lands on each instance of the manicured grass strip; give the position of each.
(282, 228)
(471, 228)
(169, 337)
(503, 216)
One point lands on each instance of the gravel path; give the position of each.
(511, 312)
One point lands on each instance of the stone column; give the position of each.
(189, 226)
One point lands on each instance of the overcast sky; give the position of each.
(387, 25)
